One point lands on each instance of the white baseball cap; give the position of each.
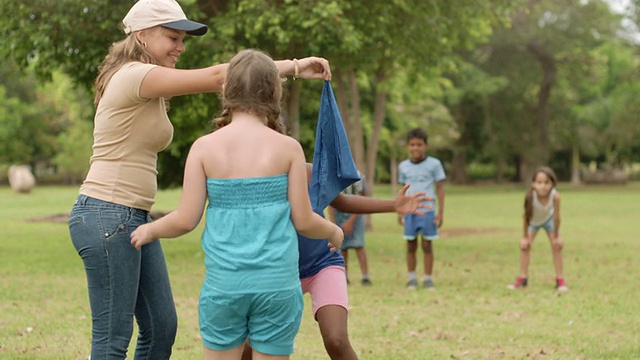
(149, 13)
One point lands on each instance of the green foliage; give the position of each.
(605, 109)
(75, 108)
(430, 56)
(483, 171)
(28, 122)
(68, 34)
(567, 32)
(12, 111)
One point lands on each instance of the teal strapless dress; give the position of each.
(249, 241)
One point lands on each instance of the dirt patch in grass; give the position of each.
(445, 233)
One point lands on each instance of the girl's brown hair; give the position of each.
(252, 85)
(124, 51)
(528, 198)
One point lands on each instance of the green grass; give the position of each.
(44, 310)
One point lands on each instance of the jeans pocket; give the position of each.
(113, 222)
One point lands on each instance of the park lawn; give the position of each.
(44, 310)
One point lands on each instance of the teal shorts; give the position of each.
(270, 320)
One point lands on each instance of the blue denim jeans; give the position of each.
(123, 282)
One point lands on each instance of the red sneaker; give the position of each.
(560, 285)
(521, 283)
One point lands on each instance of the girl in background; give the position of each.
(541, 211)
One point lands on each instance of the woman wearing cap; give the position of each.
(135, 81)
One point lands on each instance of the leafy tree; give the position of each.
(546, 41)
(395, 39)
(467, 98)
(606, 114)
(73, 145)
(28, 122)
(74, 35)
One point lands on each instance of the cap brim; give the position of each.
(188, 26)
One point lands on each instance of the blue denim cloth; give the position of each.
(123, 282)
(547, 225)
(333, 166)
(420, 224)
(355, 240)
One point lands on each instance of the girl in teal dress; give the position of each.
(254, 179)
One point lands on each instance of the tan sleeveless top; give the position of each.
(542, 213)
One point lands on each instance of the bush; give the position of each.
(480, 171)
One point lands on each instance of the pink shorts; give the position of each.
(327, 287)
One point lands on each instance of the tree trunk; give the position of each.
(575, 164)
(459, 162)
(343, 104)
(357, 133)
(378, 120)
(293, 110)
(549, 71)
(394, 170)
(350, 115)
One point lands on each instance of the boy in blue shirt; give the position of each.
(424, 174)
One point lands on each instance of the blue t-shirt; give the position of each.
(421, 176)
(315, 255)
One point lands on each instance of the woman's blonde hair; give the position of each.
(252, 85)
(124, 51)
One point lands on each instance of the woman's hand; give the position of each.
(313, 68)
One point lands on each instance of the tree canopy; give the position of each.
(511, 83)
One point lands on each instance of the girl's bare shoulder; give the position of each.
(288, 143)
(206, 143)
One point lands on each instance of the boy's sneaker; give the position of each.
(560, 285)
(428, 284)
(412, 284)
(521, 283)
(366, 282)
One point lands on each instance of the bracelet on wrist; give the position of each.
(296, 69)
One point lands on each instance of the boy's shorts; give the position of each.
(273, 320)
(327, 287)
(420, 224)
(354, 240)
(547, 225)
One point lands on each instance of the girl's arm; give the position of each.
(402, 204)
(526, 226)
(556, 213)
(332, 214)
(307, 222)
(440, 196)
(167, 82)
(190, 208)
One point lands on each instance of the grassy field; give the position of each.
(44, 310)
